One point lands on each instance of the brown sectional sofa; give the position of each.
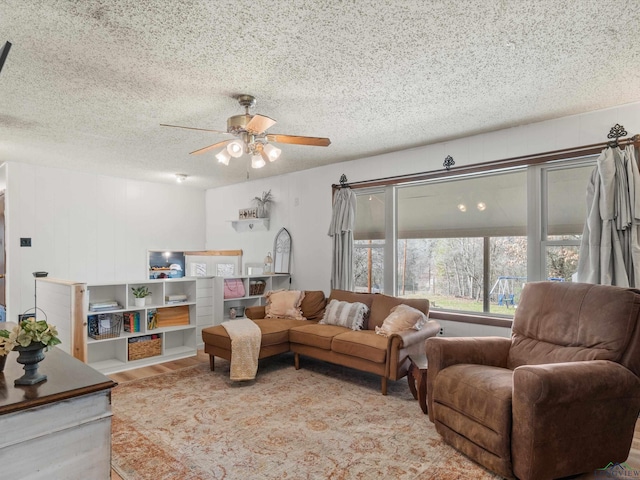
(363, 350)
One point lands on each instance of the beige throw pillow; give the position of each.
(345, 314)
(284, 304)
(401, 318)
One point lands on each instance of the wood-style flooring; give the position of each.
(201, 357)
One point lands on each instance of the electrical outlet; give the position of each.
(441, 331)
(25, 241)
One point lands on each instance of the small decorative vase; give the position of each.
(3, 362)
(30, 357)
(139, 302)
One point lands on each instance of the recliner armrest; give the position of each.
(587, 410)
(572, 382)
(255, 313)
(443, 352)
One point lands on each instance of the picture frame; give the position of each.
(225, 269)
(254, 269)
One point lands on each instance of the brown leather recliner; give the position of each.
(559, 398)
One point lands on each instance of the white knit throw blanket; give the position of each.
(245, 346)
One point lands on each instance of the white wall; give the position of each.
(91, 228)
(308, 220)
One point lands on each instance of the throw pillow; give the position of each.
(345, 314)
(402, 317)
(313, 305)
(284, 304)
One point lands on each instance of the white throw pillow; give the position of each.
(345, 314)
(402, 317)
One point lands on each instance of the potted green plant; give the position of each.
(140, 294)
(30, 337)
(263, 203)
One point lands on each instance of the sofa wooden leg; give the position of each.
(384, 385)
(296, 361)
(211, 366)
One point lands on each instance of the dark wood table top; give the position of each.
(67, 377)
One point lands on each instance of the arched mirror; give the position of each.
(282, 251)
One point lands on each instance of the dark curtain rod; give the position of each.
(531, 159)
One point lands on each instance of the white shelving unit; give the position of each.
(204, 306)
(222, 305)
(250, 224)
(110, 355)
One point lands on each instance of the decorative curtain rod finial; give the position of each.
(448, 162)
(615, 133)
(343, 180)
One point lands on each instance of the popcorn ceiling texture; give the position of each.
(87, 83)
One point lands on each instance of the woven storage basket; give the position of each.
(99, 332)
(149, 348)
(257, 288)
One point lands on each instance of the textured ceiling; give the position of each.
(87, 83)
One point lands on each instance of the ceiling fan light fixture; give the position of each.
(223, 157)
(257, 161)
(235, 149)
(272, 152)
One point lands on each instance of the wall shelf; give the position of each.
(250, 224)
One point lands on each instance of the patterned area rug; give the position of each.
(319, 422)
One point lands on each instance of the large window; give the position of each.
(470, 243)
(563, 221)
(466, 239)
(369, 242)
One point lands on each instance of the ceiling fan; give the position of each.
(251, 137)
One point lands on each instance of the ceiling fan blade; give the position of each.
(193, 128)
(297, 140)
(259, 123)
(210, 147)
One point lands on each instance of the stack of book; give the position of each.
(131, 321)
(106, 305)
(152, 319)
(175, 298)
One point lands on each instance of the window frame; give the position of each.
(537, 229)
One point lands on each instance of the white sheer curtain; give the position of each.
(610, 248)
(341, 229)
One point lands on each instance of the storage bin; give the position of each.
(144, 349)
(104, 325)
(256, 287)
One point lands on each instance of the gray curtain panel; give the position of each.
(341, 229)
(610, 248)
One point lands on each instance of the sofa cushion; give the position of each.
(345, 314)
(315, 335)
(313, 304)
(284, 304)
(475, 402)
(362, 344)
(274, 332)
(382, 305)
(347, 296)
(402, 317)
